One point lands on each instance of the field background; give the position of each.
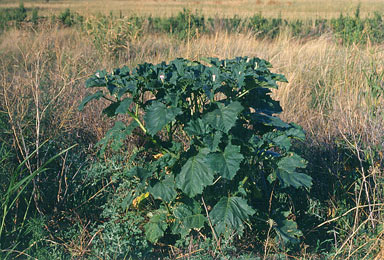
(289, 9)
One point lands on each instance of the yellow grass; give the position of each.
(327, 93)
(291, 9)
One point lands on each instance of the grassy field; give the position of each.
(335, 91)
(290, 9)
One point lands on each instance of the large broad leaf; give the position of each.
(286, 228)
(230, 212)
(296, 131)
(226, 163)
(123, 106)
(195, 174)
(196, 127)
(282, 141)
(224, 117)
(286, 172)
(268, 120)
(158, 115)
(87, 99)
(180, 66)
(156, 226)
(187, 218)
(110, 111)
(164, 190)
(213, 140)
(261, 101)
(139, 172)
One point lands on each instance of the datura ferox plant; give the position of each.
(215, 157)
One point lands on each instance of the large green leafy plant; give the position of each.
(214, 156)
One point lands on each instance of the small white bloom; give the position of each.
(162, 77)
(214, 77)
(97, 74)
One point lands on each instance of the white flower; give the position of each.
(162, 77)
(213, 77)
(97, 74)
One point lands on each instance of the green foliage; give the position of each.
(358, 30)
(17, 15)
(266, 27)
(120, 238)
(375, 81)
(20, 13)
(211, 134)
(230, 213)
(183, 26)
(15, 191)
(68, 18)
(35, 16)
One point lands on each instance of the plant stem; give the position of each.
(137, 120)
(210, 223)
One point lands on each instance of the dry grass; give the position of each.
(328, 92)
(291, 9)
(42, 74)
(327, 89)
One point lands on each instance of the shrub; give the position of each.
(69, 18)
(35, 16)
(184, 25)
(214, 156)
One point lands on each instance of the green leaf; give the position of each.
(179, 64)
(296, 132)
(116, 136)
(282, 141)
(195, 174)
(224, 118)
(190, 221)
(97, 80)
(156, 226)
(158, 115)
(287, 174)
(226, 163)
(110, 111)
(124, 106)
(230, 212)
(139, 172)
(187, 218)
(279, 77)
(287, 228)
(164, 190)
(212, 140)
(196, 127)
(269, 120)
(88, 98)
